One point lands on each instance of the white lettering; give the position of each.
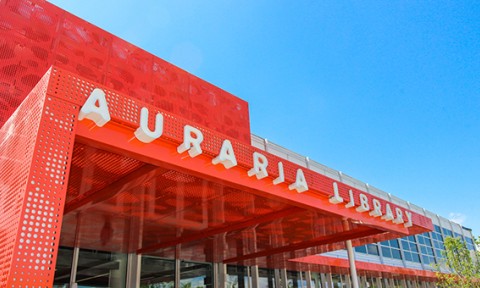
(259, 168)
(192, 138)
(281, 175)
(300, 183)
(399, 219)
(388, 213)
(351, 203)
(226, 156)
(97, 113)
(377, 208)
(363, 204)
(409, 219)
(143, 133)
(96, 110)
(335, 199)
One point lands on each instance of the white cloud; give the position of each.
(457, 217)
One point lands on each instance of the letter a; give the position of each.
(226, 156)
(399, 219)
(388, 213)
(300, 182)
(97, 113)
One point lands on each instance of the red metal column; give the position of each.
(35, 151)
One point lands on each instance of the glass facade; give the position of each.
(391, 249)
(94, 268)
(447, 232)
(470, 243)
(157, 273)
(410, 249)
(371, 249)
(426, 249)
(266, 278)
(437, 240)
(196, 275)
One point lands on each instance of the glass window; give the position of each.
(415, 257)
(63, 266)
(337, 281)
(470, 244)
(428, 260)
(94, 268)
(458, 235)
(195, 275)
(421, 240)
(361, 249)
(394, 243)
(391, 249)
(157, 272)
(447, 233)
(386, 252)
(408, 256)
(237, 277)
(396, 254)
(437, 240)
(410, 249)
(293, 279)
(371, 249)
(266, 278)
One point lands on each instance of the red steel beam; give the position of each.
(139, 176)
(115, 138)
(231, 227)
(361, 232)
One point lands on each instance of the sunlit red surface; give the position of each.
(127, 205)
(35, 35)
(111, 192)
(127, 196)
(124, 195)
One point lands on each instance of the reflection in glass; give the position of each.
(95, 268)
(337, 280)
(266, 278)
(157, 273)
(63, 267)
(237, 277)
(195, 275)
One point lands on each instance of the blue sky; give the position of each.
(385, 91)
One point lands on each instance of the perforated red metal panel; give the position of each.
(119, 185)
(17, 147)
(36, 147)
(125, 111)
(35, 34)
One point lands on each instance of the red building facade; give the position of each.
(81, 169)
